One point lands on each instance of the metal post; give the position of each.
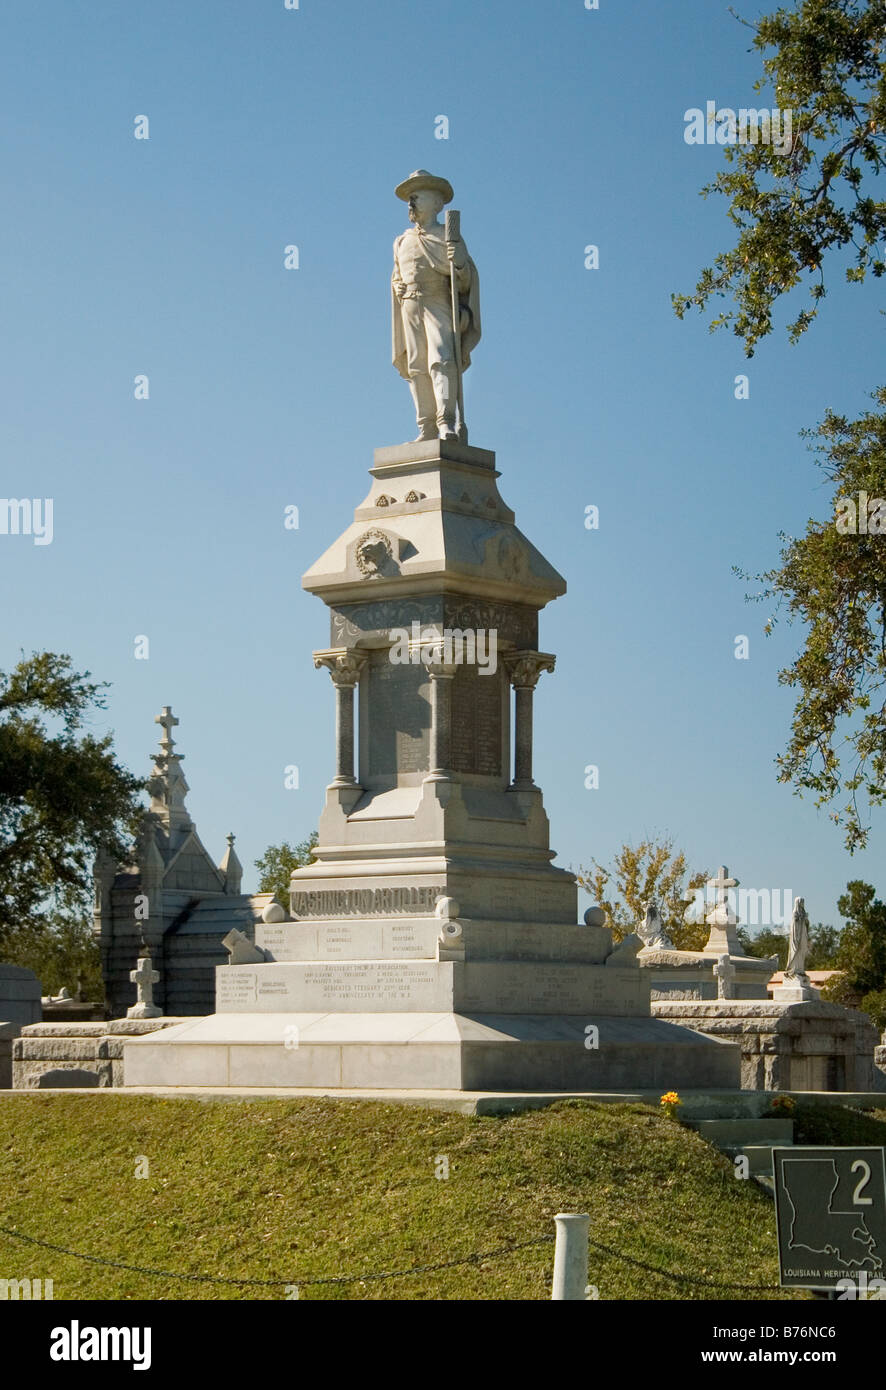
(571, 1257)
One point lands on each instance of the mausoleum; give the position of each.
(172, 899)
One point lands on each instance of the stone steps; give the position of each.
(759, 1156)
(751, 1131)
(755, 1138)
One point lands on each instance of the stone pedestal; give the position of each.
(434, 596)
(690, 975)
(805, 1046)
(794, 994)
(434, 811)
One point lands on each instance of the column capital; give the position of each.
(441, 670)
(525, 667)
(344, 664)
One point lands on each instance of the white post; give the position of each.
(571, 1257)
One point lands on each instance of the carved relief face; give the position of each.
(374, 555)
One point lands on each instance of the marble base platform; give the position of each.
(438, 1051)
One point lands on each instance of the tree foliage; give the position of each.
(824, 60)
(277, 863)
(862, 949)
(63, 795)
(764, 944)
(861, 953)
(651, 869)
(798, 210)
(833, 579)
(823, 943)
(60, 948)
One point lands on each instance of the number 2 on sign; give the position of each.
(857, 1200)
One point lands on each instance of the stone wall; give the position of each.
(809, 1046)
(76, 1054)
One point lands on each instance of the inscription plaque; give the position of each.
(549, 989)
(364, 902)
(399, 717)
(235, 988)
(476, 722)
(335, 987)
(359, 940)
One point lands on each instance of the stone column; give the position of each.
(344, 666)
(441, 674)
(524, 669)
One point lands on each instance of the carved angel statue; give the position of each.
(652, 929)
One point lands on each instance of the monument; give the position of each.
(171, 900)
(432, 944)
(791, 1039)
(796, 986)
(700, 975)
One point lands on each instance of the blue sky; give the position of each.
(270, 387)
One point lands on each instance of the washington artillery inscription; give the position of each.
(364, 902)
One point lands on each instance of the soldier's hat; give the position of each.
(422, 179)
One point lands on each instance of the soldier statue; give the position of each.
(435, 302)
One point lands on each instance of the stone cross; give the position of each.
(144, 978)
(724, 974)
(168, 720)
(721, 885)
(721, 919)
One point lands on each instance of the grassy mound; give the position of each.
(301, 1189)
(837, 1125)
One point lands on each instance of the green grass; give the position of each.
(307, 1188)
(834, 1124)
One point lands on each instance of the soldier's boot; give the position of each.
(425, 407)
(446, 391)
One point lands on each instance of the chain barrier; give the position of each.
(270, 1283)
(679, 1278)
(387, 1274)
